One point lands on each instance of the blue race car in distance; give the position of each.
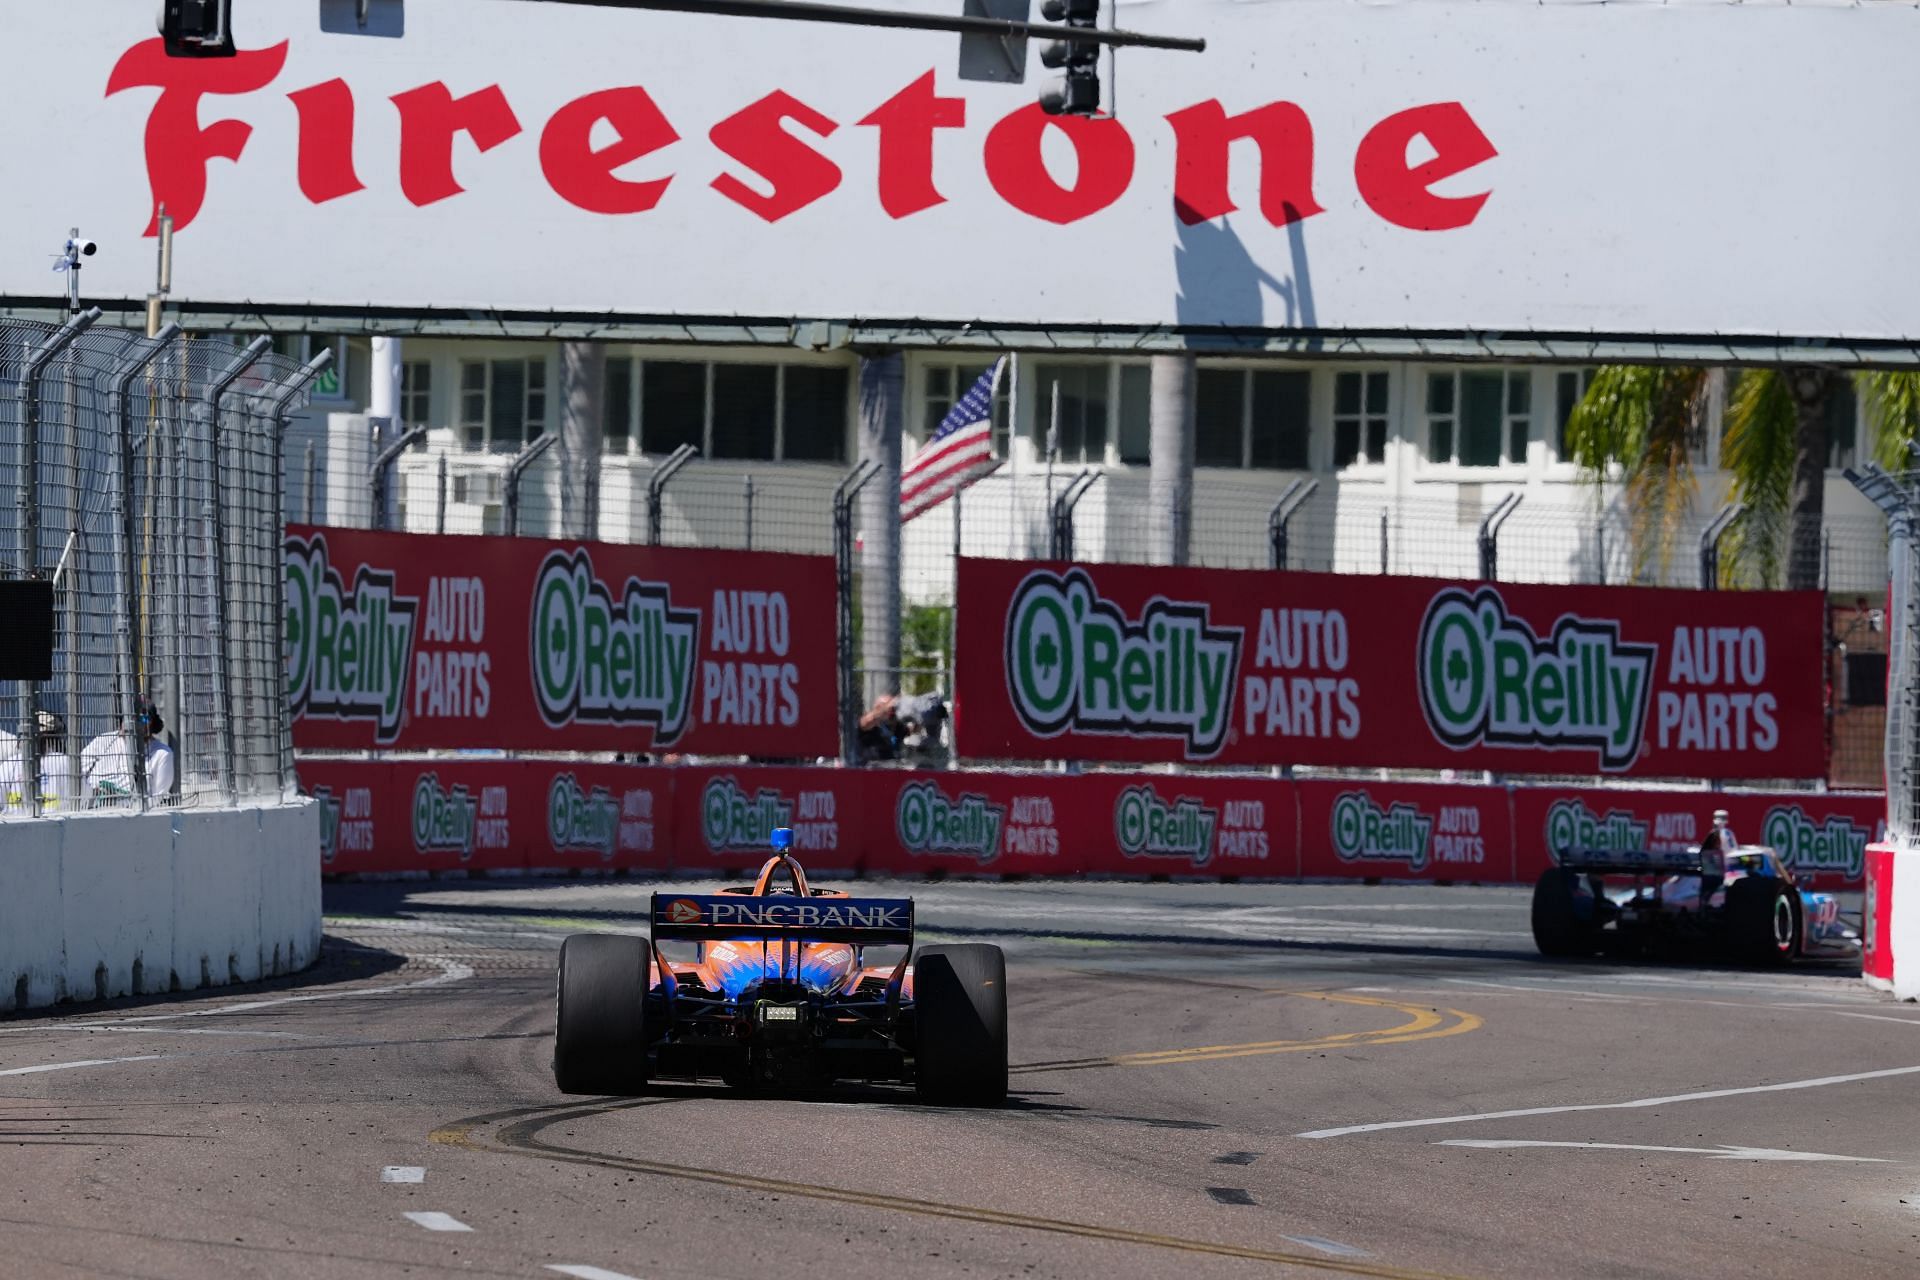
(1739, 900)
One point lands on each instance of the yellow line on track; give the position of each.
(521, 1138)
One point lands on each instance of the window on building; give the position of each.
(1569, 385)
(503, 403)
(1359, 417)
(616, 404)
(1083, 395)
(416, 392)
(1843, 424)
(1251, 418)
(1479, 417)
(945, 382)
(739, 411)
(1136, 427)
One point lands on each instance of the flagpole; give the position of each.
(1016, 509)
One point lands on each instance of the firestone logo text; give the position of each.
(927, 821)
(347, 652)
(1146, 826)
(1486, 678)
(444, 821)
(1837, 845)
(578, 819)
(604, 661)
(1363, 831)
(1571, 826)
(1075, 662)
(732, 819)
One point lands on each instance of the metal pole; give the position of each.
(313, 478)
(279, 410)
(1490, 536)
(657, 487)
(1053, 447)
(1383, 540)
(529, 452)
(127, 620)
(747, 486)
(1063, 511)
(843, 496)
(383, 464)
(1280, 520)
(1710, 537)
(213, 511)
(440, 497)
(953, 615)
(28, 552)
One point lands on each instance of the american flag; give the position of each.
(956, 455)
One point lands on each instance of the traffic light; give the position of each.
(196, 28)
(1076, 92)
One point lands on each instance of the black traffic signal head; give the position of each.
(1075, 13)
(196, 28)
(1077, 93)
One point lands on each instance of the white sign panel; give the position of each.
(1327, 164)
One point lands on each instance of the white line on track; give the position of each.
(403, 1173)
(88, 1062)
(580, 1272)
(1783, 1087)
(1878, 1017)
(1333, 1247)
(437, 1221)
(1712, 1153)
(1569, 992)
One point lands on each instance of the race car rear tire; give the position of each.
(960, 1020)
(1764, 920)
(600, 1030)
(1560, 928)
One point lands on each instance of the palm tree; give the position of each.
(1642, 420)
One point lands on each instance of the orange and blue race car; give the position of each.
(775, 988)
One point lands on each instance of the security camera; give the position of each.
(85, 248)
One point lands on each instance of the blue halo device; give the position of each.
(782, 839)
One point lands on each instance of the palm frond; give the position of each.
(1893, 405)
(1758, 449)
(1640, 419)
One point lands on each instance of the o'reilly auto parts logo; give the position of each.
(1363, 831)
(1486, 678)
(1837, 845)
(581, 820)
(444, 821)
(347, 652)
(1076, 662)
(1573, 826)
(928, 821)
(329, 808)
(732, 819)
(604, 661)
(1147, 826)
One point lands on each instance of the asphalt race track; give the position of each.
(1211, 1081)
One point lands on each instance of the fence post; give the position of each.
(313, 477)
(379, 471)
(1291, 499)
(126, 621)
(280, 408)
(1063, 512)
(1710, 544)
(657, 487)
(1903, 647)
(1383, 540)
(747, 486)
(1490, 536)
(28, 557)
(440, 496)
(529, 453)
(213, 511)
(843, 496)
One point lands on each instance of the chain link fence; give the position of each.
(146, 484)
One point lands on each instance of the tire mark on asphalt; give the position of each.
(522, 1138)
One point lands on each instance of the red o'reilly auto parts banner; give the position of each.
(412, 641)
(1130, 662)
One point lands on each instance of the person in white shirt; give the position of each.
(106, 765)
(50, 732)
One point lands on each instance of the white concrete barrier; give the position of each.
(1891, 921)
(97, 905)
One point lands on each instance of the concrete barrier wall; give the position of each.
(94, 906)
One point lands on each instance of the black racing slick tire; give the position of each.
(1560, 926)
(600, 1027)
(1764, 920)
(960, 1021)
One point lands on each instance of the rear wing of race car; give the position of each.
(1639, 862)
(872, 922)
